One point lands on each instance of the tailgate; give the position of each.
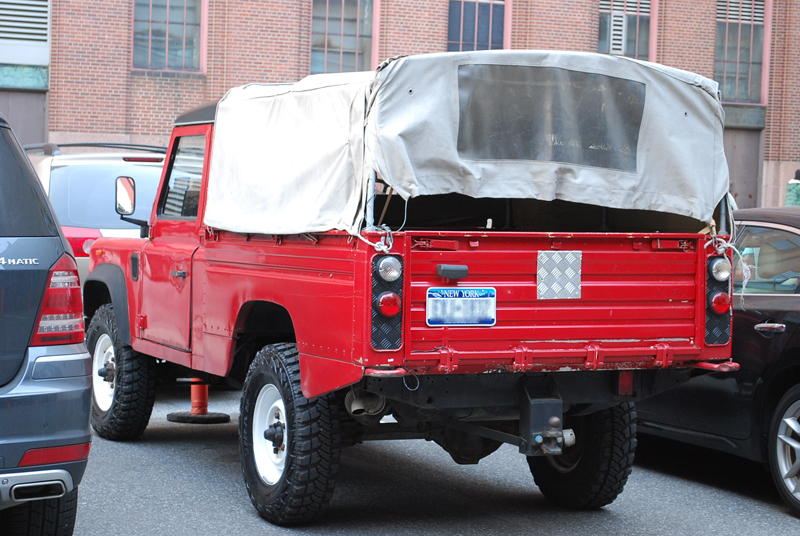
(595, 300)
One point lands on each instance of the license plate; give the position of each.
(461, 306)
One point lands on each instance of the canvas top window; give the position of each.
(167, 34)
(625, 28)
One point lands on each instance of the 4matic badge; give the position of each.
(13, 262)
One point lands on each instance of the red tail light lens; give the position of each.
(80, 239)
(720, 302)
(61, 315)
(70, 453)
(389, 304)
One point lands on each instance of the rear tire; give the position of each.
(784, 448)
(290, 478)
(51, 517)
(121, 407)
(591, 473)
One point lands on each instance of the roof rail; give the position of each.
(51, 149)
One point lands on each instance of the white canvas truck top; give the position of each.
(580, 127)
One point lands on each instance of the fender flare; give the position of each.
(112, 277)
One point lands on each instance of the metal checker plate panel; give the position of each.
(558, 275)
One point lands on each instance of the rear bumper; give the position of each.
(560, 357)
(47, 404)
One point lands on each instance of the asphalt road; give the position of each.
(180, 479)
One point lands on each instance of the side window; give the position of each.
(182, 193)
(773, 256)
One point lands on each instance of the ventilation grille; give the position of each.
(24, 20)
(741, 11)
(642, 7)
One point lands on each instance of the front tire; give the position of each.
(50, 517)
(784, 448)
(122, 399)
(592, 472)
(290, 477)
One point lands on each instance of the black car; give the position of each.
(755, 411)
(45, 382)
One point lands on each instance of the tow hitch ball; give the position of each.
(556, 438)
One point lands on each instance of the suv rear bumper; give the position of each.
(47, 404)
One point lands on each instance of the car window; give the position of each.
(773, 256)
(84, 195)
(182, 193)
(23, 206)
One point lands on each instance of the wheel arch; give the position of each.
(258, 323)
(781, 378)
(106, 284)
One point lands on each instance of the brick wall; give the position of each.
(95, 95)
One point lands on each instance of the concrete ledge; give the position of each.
(744, 116)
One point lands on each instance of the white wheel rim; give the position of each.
(788, 446)
(269, 410)
(103, 355)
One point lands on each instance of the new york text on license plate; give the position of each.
(461, 306)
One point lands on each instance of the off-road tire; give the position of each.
(304, 486)
(591, 473)
(784, 451)
(51, 517)
(135, 383)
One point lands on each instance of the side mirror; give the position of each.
(126, 196)
(126, 204)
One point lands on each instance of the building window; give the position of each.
(166, 34)
(739, 51)
(625, 28)
(476, 25)
(341, 36)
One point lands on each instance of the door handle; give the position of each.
(179, 273)
(770, 327)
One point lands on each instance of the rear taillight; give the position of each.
(81, 239)
(718, 301)
(61, 315)
(387, 300)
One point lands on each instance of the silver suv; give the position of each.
(45, 382)
(80, 186)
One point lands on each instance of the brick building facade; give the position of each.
(110, 81)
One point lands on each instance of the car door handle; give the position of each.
(770, 327)
(179, 273)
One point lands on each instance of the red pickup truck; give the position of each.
(472, 248)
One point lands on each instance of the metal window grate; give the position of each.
(25, 20)
(633, 7)
(751, 11)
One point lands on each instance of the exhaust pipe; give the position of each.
(37, 491)
(364, 403)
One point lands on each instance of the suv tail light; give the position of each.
(61, 315)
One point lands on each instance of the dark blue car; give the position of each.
(45, 383)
